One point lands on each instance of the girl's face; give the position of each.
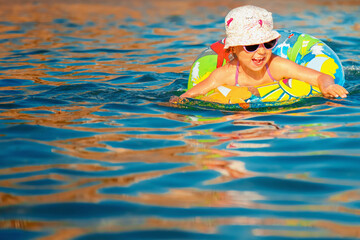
(254, 61)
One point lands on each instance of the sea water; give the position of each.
(91, 148)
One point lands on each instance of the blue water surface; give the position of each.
(92, 149)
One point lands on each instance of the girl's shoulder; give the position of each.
(280, 62)
(279, 66)
(284, 68)
(275, 59)
(227, 69)
(224, 74)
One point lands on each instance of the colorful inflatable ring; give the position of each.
(301, 48)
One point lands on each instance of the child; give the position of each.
(250, 39)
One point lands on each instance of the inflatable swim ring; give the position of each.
(301, 48)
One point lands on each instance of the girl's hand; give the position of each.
(177, 100)
(174, 99)
(334, 90)
(329, 88)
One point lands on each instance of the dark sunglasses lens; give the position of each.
(251, 48)
(270, 44)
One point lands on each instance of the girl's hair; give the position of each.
(231, 50)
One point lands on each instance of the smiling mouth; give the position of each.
(258, 61)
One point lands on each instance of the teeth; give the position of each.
(258, 60)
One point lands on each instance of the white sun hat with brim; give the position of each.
(249, 25)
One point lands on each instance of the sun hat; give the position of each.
(249, 25)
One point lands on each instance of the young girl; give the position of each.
(250, 39)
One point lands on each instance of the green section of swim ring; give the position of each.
(302, 46)
(202, 68)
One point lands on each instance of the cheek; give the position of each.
(269, 51)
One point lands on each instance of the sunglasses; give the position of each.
(268, 45)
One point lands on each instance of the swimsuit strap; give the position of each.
(268, 71)
(237, 74)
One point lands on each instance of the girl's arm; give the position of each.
(213, 81)
(285, 68)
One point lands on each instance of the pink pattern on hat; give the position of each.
(229, 21)
(260, 22)
(249, 25)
